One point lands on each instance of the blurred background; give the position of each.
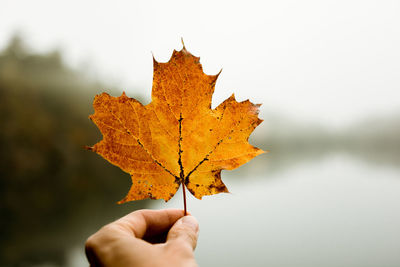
(326, 72)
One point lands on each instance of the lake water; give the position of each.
(333, 211)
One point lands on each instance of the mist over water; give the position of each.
(333, 211)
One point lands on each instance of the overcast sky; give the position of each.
(328, 61)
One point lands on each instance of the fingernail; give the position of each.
(191, 222)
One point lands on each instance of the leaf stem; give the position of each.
(184, 198)
(182, 174)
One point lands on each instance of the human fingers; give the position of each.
(111, 246)
(184, 233)
(149, 222)
(120, 240)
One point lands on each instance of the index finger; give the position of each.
(151, 221)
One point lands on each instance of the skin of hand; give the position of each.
(145, 238)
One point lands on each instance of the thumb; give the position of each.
(184, 232)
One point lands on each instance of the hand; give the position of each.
(133, 240)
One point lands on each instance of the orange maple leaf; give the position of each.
(177, 138)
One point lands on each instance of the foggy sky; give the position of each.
(332, 62)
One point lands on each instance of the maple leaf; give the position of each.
(177, 138)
